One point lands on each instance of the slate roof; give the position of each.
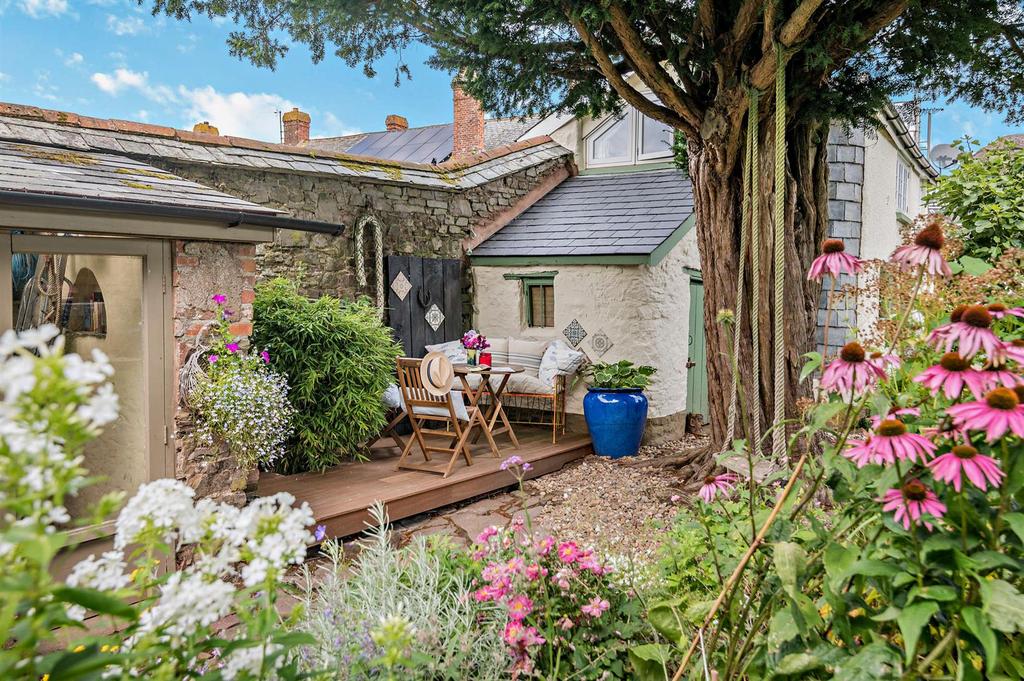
(619, 214)
(35, 169)
(430, 144)
(154, 143)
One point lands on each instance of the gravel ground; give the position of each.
(615, 506)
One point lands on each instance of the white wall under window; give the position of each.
(628, 139)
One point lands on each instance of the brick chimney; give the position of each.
(395, 122)
(296, 127)
(205, 128)
(468, 131)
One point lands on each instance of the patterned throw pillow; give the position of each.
(526, 354)
(559, 360)
(453, 350)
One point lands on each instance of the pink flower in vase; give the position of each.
(912, 501)
(963, 460)
(834, 261)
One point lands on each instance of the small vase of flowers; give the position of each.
(475, 343)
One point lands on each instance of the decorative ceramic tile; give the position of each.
(434, 317)
(601, 343)
(575, 333)
(401, 286)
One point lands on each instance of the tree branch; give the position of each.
(619, 84)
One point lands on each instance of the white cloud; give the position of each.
(74, 59)
(4, 77)
(142, 115)
(128, 25)
(240, 114)
(43, 88)
(329, 125)
(126, 79)
(189, 44)
(38, 9)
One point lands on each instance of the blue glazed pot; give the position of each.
(616, 420)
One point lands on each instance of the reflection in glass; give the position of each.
(96, 301)
(613, 143)
(655, 137)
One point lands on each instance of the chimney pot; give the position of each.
(468, 124)
(296, 127)
(205, 128)
(395, 122)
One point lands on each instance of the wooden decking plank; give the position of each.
(340, 496)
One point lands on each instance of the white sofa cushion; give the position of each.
(461, 412)
(527, 354)
(524, 384)
(498, 350)
(559, 360)
(453, 350)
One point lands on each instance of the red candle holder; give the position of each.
(485, 358)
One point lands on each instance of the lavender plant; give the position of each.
(240, 400)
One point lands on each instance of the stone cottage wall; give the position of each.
(202, 269)
(417, 221)
(845, 197)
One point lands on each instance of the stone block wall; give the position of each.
(845, 200)
(202, 269)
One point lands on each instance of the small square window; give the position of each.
(539, 298)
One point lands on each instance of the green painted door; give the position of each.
(697, 366)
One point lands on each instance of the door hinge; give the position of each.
(165, 434)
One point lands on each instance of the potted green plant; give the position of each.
(615, 406)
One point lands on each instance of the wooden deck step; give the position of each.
(341, 496)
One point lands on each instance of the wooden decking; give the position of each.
(340, 496)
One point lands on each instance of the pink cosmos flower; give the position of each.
(999, 412)
(568, 552)
(912, 501)
(964, 459)
(834, 261)
(850, 374)
(950, 375)
(545, 545)
(519, 607)
(596, 607)
(925, 251)
(219, 298)
(892, 442)
(998, 311)
(212, 359)
(488, 532)
(713, 484)
(231, 347)
(971, 334)
(266, 357)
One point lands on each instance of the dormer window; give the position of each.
(629, 138)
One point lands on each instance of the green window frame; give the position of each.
(539, 301)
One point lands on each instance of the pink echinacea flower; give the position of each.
(998, 413)
(951, 375)
(850, 373)
(713, 484)
(926, 251)
(834, 261)
(912, 501)
(962, 460)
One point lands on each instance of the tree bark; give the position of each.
(716, 172)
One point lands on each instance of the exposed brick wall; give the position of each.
(202, 269)
(845, 199)
(468, 128)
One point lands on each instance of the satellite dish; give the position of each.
(944, 155)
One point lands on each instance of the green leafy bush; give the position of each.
(338, 358)
(985, 195)
(622, 375)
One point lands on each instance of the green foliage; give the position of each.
(621, 375)
(338, 358)
(985, 195)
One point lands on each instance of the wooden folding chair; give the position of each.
(424, 407)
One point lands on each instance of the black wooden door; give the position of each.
(432, 282)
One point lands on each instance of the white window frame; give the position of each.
(902, 186)
(635, 123)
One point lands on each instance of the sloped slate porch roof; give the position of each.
(626, 214)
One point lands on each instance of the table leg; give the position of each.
(497, 411)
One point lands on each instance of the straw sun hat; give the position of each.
(437, 374)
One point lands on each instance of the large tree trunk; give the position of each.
(716, 172)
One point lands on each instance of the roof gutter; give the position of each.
(903, 134)
(230, 218)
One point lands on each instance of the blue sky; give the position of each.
(112, 59)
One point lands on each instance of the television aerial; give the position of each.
(944, 155)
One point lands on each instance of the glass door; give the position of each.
(105, 294)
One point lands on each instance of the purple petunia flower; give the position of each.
(212, 359)
(219, 298)
(320, 532)
(266, 357)
(231, 347)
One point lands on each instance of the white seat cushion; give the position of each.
(526, 354)
(559, 360)
(461, 412)
(498, 350)
(524, 384)
(392, 397)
